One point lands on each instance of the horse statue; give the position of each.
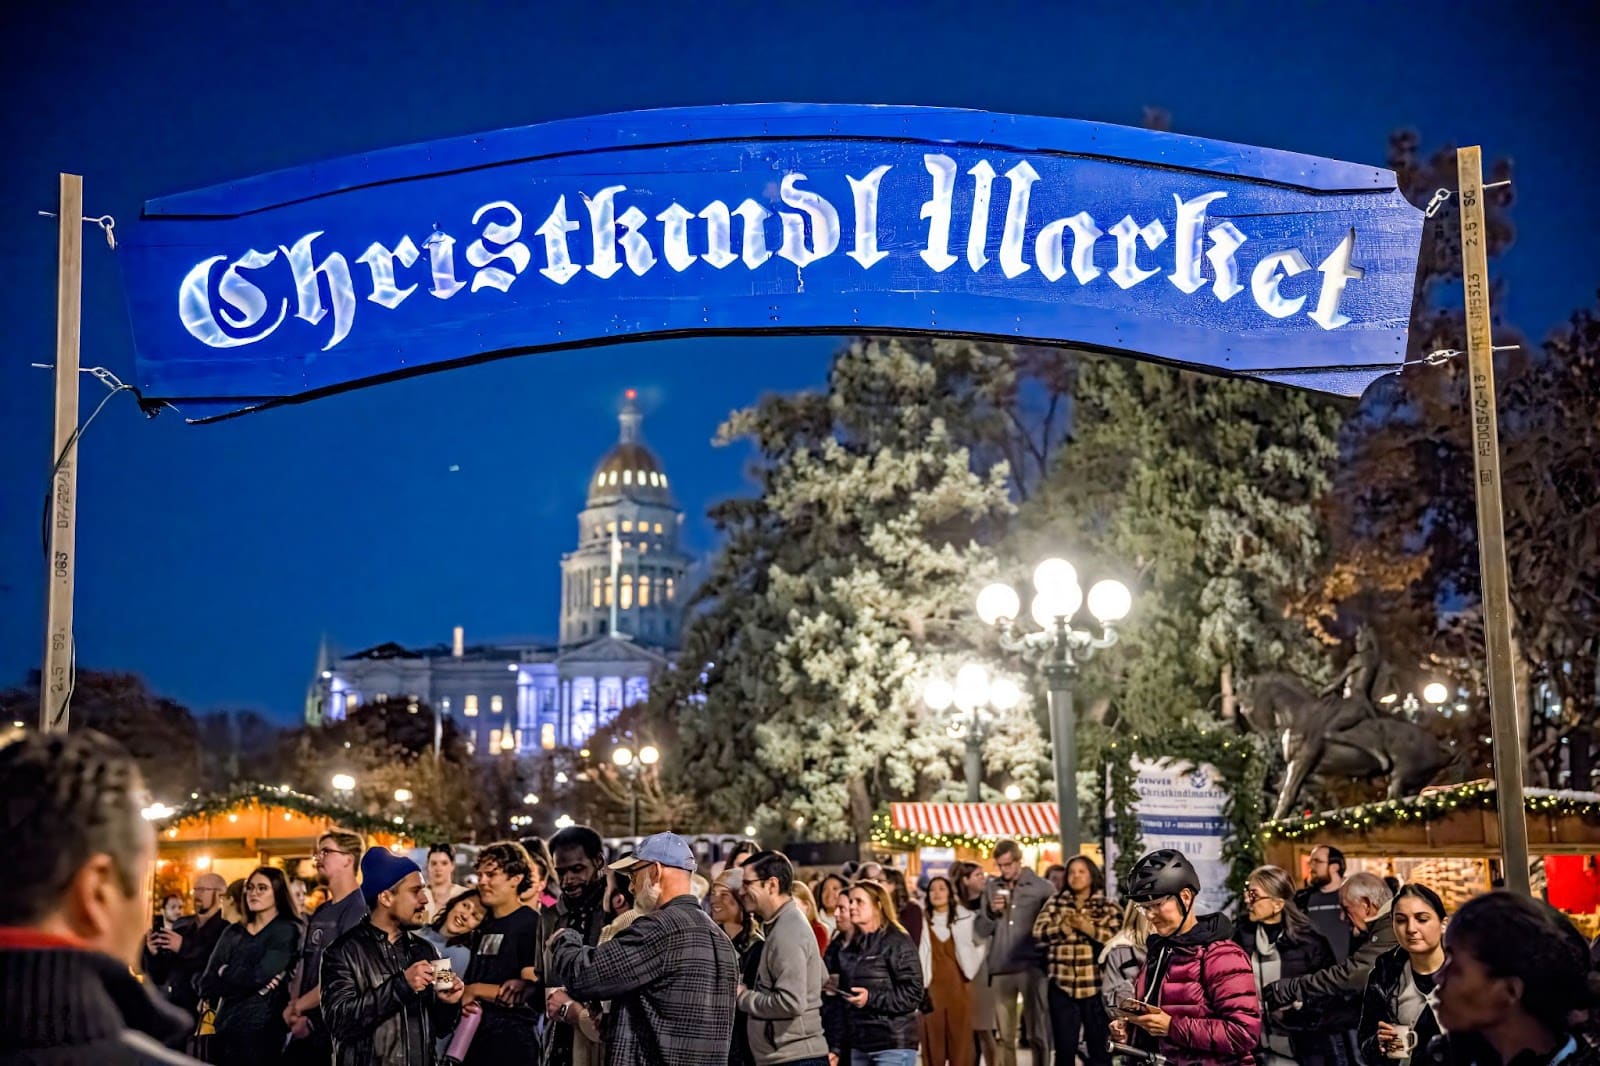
(1343, 736)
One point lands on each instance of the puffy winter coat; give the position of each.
(372, 1011)
(1382, 1004)
(885, 963)
(1203, 980)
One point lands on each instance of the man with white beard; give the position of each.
(670, 975)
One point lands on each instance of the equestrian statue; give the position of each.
(1340, 731)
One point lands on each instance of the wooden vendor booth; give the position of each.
(1449, 839)
(232, 833)
(932, 836)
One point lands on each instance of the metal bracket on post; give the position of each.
(1504, 717)
(55, 680)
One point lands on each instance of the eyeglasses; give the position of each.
(1156, 904)
(1252, 896)
(323, 853)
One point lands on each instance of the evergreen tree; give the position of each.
(850, 579)
(1200, 493)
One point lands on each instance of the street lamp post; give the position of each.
(632, 766)
(973, 694)
(1061, 649)
(344, 786)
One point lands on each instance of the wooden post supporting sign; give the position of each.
(55, 681)
(1505, 720)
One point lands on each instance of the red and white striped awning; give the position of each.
(991, 821)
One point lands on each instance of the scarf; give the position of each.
(1268, 966)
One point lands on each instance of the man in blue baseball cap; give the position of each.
(670, 976)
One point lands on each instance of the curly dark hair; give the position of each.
(1513, 936)
(511, 859)
(65, 798)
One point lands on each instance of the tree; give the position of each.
(1201, 494)
(159, 732)
(797, 695)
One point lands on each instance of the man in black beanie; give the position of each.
(381, 999)
(73, 892)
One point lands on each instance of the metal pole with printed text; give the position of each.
(1503, 712)
(55, 680)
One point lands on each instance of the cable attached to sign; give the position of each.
(1441, 356)
(107, 224)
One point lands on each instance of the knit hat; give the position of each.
(381, 870)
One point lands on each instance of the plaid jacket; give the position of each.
(1071, 956)
(670, 977)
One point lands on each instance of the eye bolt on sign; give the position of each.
(771, 218)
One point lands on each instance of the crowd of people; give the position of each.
(556, 952)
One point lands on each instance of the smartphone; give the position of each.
(1133, 1007)
(160, 924)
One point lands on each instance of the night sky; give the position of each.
(212, 559)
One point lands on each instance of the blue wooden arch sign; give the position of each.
(761, 218)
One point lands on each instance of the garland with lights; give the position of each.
(1477, 796)
(1242, 766)
(885, 835)
(242, 795)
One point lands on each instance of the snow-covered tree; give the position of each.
(844, 585)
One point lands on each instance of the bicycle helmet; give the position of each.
(1161, 873)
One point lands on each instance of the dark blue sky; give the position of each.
(212, 558)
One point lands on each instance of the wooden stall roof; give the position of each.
(1459, 821)
(258, 819)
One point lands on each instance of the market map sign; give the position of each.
(1181, 807)
(771, 218)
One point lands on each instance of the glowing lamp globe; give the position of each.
(343, 782)
(998, 603)
(402, 795)
(1109, 601)
(972, 686)
(649, 755)
(1013, 793)
(622, 756)
(1048, 606)
(1004, 694)
(1435, 693)
(1054, 577)
(938, 694)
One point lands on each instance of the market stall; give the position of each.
(232, 833)
(1449, 839)
(932, 836)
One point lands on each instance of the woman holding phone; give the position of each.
(1397, 1012)
(245, 974)
(1195, 1000)
(880, 984)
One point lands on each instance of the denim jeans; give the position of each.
(900, 1056)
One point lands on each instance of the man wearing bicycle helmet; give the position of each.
(1195, 1001)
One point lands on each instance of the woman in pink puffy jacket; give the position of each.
(1195, 1000)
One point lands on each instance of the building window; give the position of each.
(497, 704)
(658, 529)
(644, 547)
(594, 590)
(627, 477)
(600, 479)
(672, 592)
(471, 707)
(444, 705)
(612, 480)
(663, 481)
(380, 697)
(625, 600)
(494, 740)
(627, 526)
(611, 527)
(608, 590)
(583, 629)
(644, 590)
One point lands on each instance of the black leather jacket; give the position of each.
(373, 1014)
(886, 964)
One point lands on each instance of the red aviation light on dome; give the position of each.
(631, 394)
